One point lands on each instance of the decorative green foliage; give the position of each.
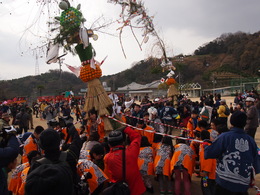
(70, 19)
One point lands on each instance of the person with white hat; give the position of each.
(252, 117)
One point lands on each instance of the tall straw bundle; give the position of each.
(98, 99)
(172, 91)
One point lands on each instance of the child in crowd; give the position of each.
(87, 146)
(145, 163)
(156, 142)
(203, 125)
(146, 118)
(148, 131)
(18, 178)
(207, 168)
(95, 124)
(162, 163)
(214, 124)
(181, 166)
(32, 157)
(192, 125)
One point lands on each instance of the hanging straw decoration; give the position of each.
(74, 37)
(134, 15)
(98, 99)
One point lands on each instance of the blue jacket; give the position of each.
(7, 154)
(167, 113)
(138, 115)
(236, 153)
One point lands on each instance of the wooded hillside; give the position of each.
(226, 59)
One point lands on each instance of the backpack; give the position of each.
(205, 115)
(80, 188)
(55, 172)
(61, 162)
(227, 110)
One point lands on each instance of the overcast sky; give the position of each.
(183, 25)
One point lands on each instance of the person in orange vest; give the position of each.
(157, 139)
(204, 126)
(32, 156)
(88, 145)
(127, 111)
(162, 165)
(192, 125)
(145, 163)
(62, 128)
(150, 135)
(97, 179)
(16, 181)
(181, 166)
(95, 124)
(97, 153)
(146, 118)
(127, 118)
(32, 143)
(207, 168)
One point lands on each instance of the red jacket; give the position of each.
(113, 164)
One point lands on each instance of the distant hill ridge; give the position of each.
(229, 57)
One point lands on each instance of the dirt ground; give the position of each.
(195, 187)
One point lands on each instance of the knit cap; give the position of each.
(238, 119)
(50, 140)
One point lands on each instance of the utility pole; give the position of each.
(214, 84)
(179, 75)
(60, 61)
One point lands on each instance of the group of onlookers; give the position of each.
(65, 160)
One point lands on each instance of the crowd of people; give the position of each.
(161, 139)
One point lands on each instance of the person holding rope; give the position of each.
(167, 115)
(236, 154)
(113, 160)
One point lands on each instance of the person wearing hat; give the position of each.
(127, 117)
(150, 110)
(221, 112)
(156, 124)
(4, 121)
(237, 157)
(252, 117)
(113, 160)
